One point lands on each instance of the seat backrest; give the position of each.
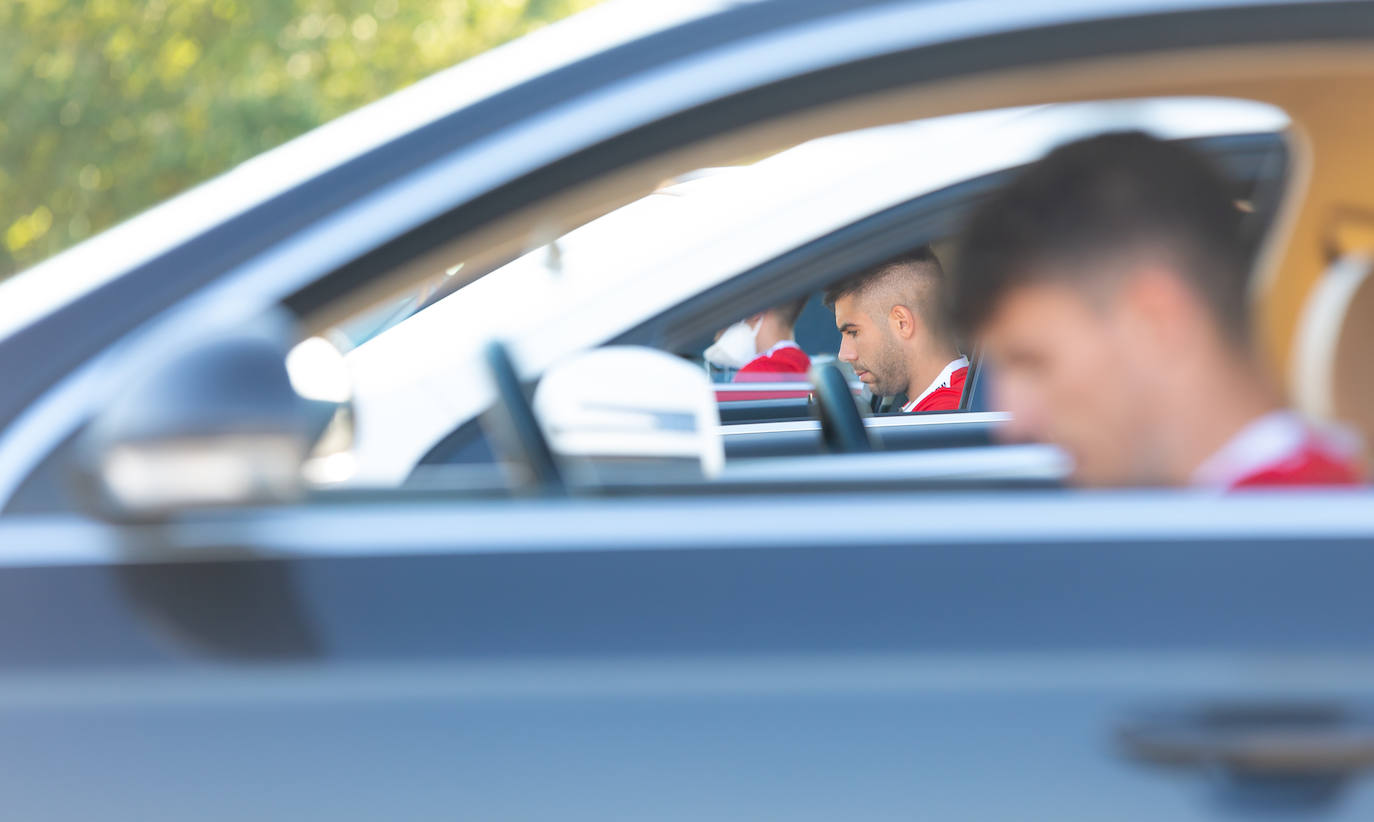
(1332, 377)
(976, 385)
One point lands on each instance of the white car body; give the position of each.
(419, 380)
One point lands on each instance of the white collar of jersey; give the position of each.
(942, 381)
(780, 345)
(1266, 441)
(776, 348)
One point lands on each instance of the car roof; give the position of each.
(418, 380)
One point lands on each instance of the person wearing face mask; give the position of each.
(894, 332)
(762, 347)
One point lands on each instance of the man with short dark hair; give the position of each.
(894, 332)
(763, 347)
(1107, 285)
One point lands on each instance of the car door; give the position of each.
(807, 656)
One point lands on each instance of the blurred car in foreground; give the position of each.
(618, 613)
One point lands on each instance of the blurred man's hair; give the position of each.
(1099, 199)
(914, 279)
(789, 313)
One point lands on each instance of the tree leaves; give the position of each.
(109, 106)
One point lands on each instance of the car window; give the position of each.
(678, 258)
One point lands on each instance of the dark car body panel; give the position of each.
(606, 663)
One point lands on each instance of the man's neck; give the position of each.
(926, 366)
(769, 337)
(1204, 421)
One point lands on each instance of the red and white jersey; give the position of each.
(945, 393)
(784, 362)
(1281, 448)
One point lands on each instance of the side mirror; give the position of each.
(624, 412)
(223, 422)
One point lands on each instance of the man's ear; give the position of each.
(902, 322)
(1160, 301)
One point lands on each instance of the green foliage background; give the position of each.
(109, 106)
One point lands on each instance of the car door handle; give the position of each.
(1259, 756)
(1255, 739)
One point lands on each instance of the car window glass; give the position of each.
(416, 356)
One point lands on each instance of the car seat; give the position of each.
(1331, 378)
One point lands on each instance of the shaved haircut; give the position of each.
(914, 279)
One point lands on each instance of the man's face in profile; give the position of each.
(1062, 365)
(868, 344)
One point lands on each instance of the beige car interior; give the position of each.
(1335, 334)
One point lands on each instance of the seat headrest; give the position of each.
(1331, 374)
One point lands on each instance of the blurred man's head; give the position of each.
(892, 324)
(1107, 284)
